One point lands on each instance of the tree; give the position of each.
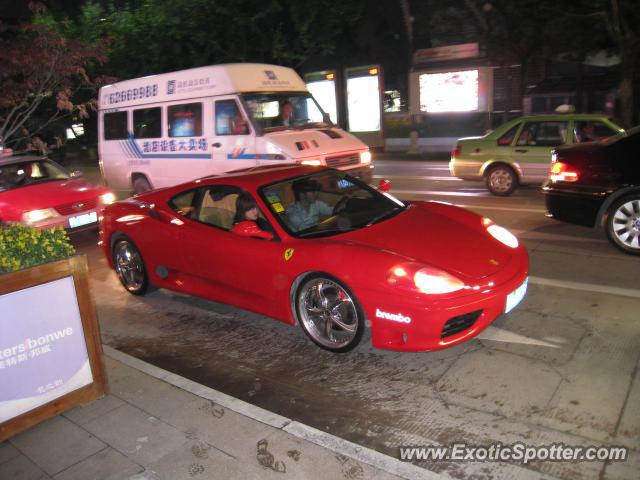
(41, 74)
(165, 35)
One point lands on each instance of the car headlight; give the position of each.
(501, 234)
(435, 281)
(107, 198)
(37, 216)
(365, 157)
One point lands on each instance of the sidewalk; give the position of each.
(156, 425)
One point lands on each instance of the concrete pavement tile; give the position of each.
(84, 414)
(57, 444)
(225, 429)
(150, 394)
(499, 382)
(141, 437)
(627, 470)
(629, 428)
(107, 464)
(21, 468)
(596, 382)
(7, 452)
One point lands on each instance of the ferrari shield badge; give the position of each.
(288, 253)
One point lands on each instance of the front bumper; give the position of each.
(425, 324)
(78, 222)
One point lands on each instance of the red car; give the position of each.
(38, 192)
(316, 247)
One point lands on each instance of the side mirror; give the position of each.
(76, 174)
(326, 118)
(384, 185)
(251, 229)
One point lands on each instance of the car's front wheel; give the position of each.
(329, 313)
(130, 267)
(623, 224)
(501, 180)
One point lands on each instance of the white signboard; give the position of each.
(43, 354)
(449, 91)
(363, 101)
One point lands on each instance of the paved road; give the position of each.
(563, 367)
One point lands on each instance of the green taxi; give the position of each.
(519, 152)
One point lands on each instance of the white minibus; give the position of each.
(170, 128)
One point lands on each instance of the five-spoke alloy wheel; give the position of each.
(329, 313)
(130, 268)
(623, 224)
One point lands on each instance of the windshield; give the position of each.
(327, 203)
(278, 111)
(23, 173)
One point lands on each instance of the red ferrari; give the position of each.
(40, 193)
(316, 247)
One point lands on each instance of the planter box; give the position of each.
(50, 349)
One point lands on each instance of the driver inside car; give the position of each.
(307, 211)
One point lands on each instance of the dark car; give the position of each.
(597, 184)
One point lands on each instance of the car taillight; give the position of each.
(457, 150)
(562, 172)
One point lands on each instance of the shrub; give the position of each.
(24, 247)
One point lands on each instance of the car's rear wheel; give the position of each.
(329, 313)
(130, 267)
(501, 180)
(623, 224)
(140, 184)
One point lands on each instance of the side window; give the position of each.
(115, 125)
(229, 119)
(183, 203)
(592, 131)
(147, 123)
(543, 134)
(507, 137)
(218, 206)
(185, 120)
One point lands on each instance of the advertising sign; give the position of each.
(364, 99)
(449, 91)
(50, 349)
(322, 86)
(42, 348)
(447, 52)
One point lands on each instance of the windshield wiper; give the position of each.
(385, 215)
(324, 232)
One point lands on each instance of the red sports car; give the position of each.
(38, 192)
(316, 247)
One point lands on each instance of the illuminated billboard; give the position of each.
(363, 102)
(324, 91)
(449, 91)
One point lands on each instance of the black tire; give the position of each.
(129, 265)
(140, 184)
(501, 180)
(329, 314)
(623, 224)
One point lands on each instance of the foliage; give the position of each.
(24, 247)
(166, 35)
(42, 71)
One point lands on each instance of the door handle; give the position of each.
(216, 145)
(521, 150)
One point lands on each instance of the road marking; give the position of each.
(506, 209)
(338, 445)
(586, 287)
(499, 335)
(417, 177)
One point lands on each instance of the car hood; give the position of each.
(435, 237)
(49, 194)
(314, 142)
